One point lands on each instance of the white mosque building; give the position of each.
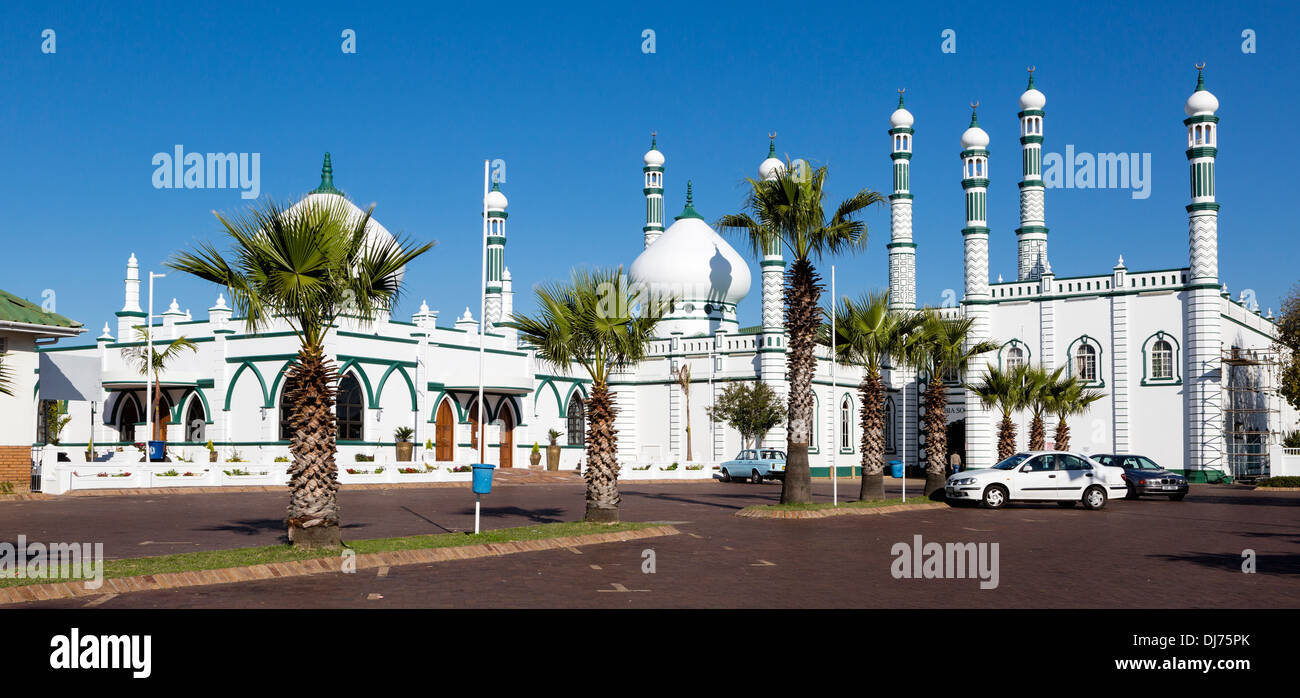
(1177, 359)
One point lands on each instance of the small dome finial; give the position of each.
(326, 179)
(901, 90)
(653, 136)
(1031, 78)
(689, 211)
(974, 108)
(1200, 77)
(771, 144)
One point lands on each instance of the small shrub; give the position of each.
(281, 459)
(1280, 481)
(363, 458)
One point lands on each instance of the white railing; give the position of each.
(1283, 461)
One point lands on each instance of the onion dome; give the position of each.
(901, 118)
(974, 137)
(1032, 98)
(1202, 100)
(654, 158)
(495, 200)
(772, 167)
(327, 194)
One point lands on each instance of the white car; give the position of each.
(1063, 477)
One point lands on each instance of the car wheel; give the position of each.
(1177, 497)
(1068, 505)
(1132, 493)
(995, 497)
(756, 478)
(726, 476)
(1094, 498)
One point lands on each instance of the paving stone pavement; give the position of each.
(1145, 554)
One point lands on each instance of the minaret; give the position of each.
(1204, 395)
(130, 315)
(654, 192)
(1031, 236)
(975, 181)
(902, 251)
(496, 204)
(772, 340)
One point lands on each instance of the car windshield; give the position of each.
(1144, 463)
(1012, 462)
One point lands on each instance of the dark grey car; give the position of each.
(1145, 477)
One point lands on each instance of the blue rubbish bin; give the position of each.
(896, 468)
(482, 477)
(157, 450)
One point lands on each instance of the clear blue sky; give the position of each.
(564, 94)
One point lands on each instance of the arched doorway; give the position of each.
(507, 435)
(444, 433)
(479, 449)
(350, 409)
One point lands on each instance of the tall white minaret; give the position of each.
(1031, 236)
(1204, 394)
(496, 204)
(654, 192)
(130, 315)
(980, 452)
(902, 251)
(772, 339)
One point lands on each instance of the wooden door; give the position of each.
(507, 437)
(444, 433)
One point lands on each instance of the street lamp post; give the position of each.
(149, 367)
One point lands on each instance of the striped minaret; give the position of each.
(902, 251)
(980, 451)
(496, 254)
(654, 192)
(1204, 395)
(1032, 233)
(772, 342)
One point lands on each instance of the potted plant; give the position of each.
(536, 456)
(428, 448)
(404, 446)
(212, 451)
(553, 451)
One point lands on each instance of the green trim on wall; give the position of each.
(234, 380)
(1177, 378)
(1069, 360)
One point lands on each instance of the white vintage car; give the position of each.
(1064, 477)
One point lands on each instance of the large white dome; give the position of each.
(974, 137)
(691, 263)
(326, 194)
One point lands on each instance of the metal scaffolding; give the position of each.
(1250, 404)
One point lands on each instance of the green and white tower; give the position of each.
(1031, 236)
(772, 341)
(1204, 395)
(902, 251)
(975, 182)
(496, 203)
(654, 192)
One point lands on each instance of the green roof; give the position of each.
(15, 309)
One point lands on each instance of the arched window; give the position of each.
(349, 408)
(127, 419)
(1085, 362)
(196, 426)
(1162, 360)
(846, 424)
(1015, 358)
(286, 409)
(576, 426)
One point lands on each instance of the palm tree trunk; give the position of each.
(936, 435)
(602, 457)
(872, 418)
(1037, 433)
(803, 318)
(690, 455)
(313, 475)
(1006, 438)
(1062, 435)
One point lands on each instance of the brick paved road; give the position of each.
(1151, 553)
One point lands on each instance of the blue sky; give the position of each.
(566, 97)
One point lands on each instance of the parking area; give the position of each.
(1137, 554)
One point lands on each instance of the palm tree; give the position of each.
(869, 335)
(683, 377)
(1038, 398)
(943, 346)
(1007, 391)
(307, 266)
(788, 212)
(151, 363)
(1069, 397)
(577, 324)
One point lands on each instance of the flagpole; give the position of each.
(835, 421)
(482, 331)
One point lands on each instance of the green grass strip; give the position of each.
(813, 506)
(244, 557)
